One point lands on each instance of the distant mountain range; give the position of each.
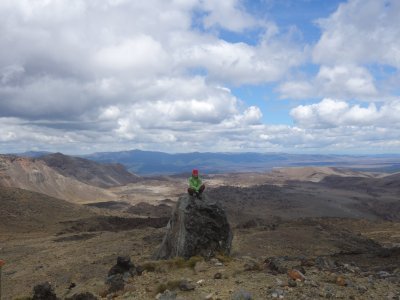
(152, 162)
(159, 163)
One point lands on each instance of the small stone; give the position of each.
(217, 275)
(296, 275)
(278, 294)
(185, 285)
(279, 282)
(200, 282)
(209, 296)
(341, 281)
(167, 295)
(275, 265)
(292, 283)
(362, 289)
(383, 274)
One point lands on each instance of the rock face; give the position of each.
(197, 227)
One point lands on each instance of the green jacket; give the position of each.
(195, 183)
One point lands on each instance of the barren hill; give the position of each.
(35, 175)
(23, 210)
(316, 174)
(90, 172)
(383, 183)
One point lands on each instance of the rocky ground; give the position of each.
(296, 240)
(325, 258)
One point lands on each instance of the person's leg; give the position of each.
(191, 191)
(201, 190)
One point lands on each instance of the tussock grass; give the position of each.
(173, 263)
(169, 285)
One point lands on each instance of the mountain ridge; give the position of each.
(153, 162)
(34, 174)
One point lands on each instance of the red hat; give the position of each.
(195, 172)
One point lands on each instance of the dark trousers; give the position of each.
(192, 191)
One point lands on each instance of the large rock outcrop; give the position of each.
(197, 227)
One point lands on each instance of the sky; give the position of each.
(295, 76)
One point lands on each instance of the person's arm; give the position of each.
(192, 183)
(198, 184)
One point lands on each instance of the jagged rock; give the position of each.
(124, 265)
(115, 283)
(118, 273)
(185, 285)
(139, 270)
(196, 228)
(44, 291)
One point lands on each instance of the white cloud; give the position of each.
(331, 113)
(360, 36)
(227, 14)
(359, 32)
(240, 63)
(347, 80)
(340, 81)
(141, 55)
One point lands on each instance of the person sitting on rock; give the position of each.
(195, 185)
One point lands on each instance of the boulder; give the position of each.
(119, 272)
(124, 265)
(196, 228)
(44, 291)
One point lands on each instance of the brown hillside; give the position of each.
(23, 210)
(90, 172)
(35, 175)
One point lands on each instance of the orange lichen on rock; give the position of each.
(296, 275)
(341, 281)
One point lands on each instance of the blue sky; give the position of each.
(304, 76)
